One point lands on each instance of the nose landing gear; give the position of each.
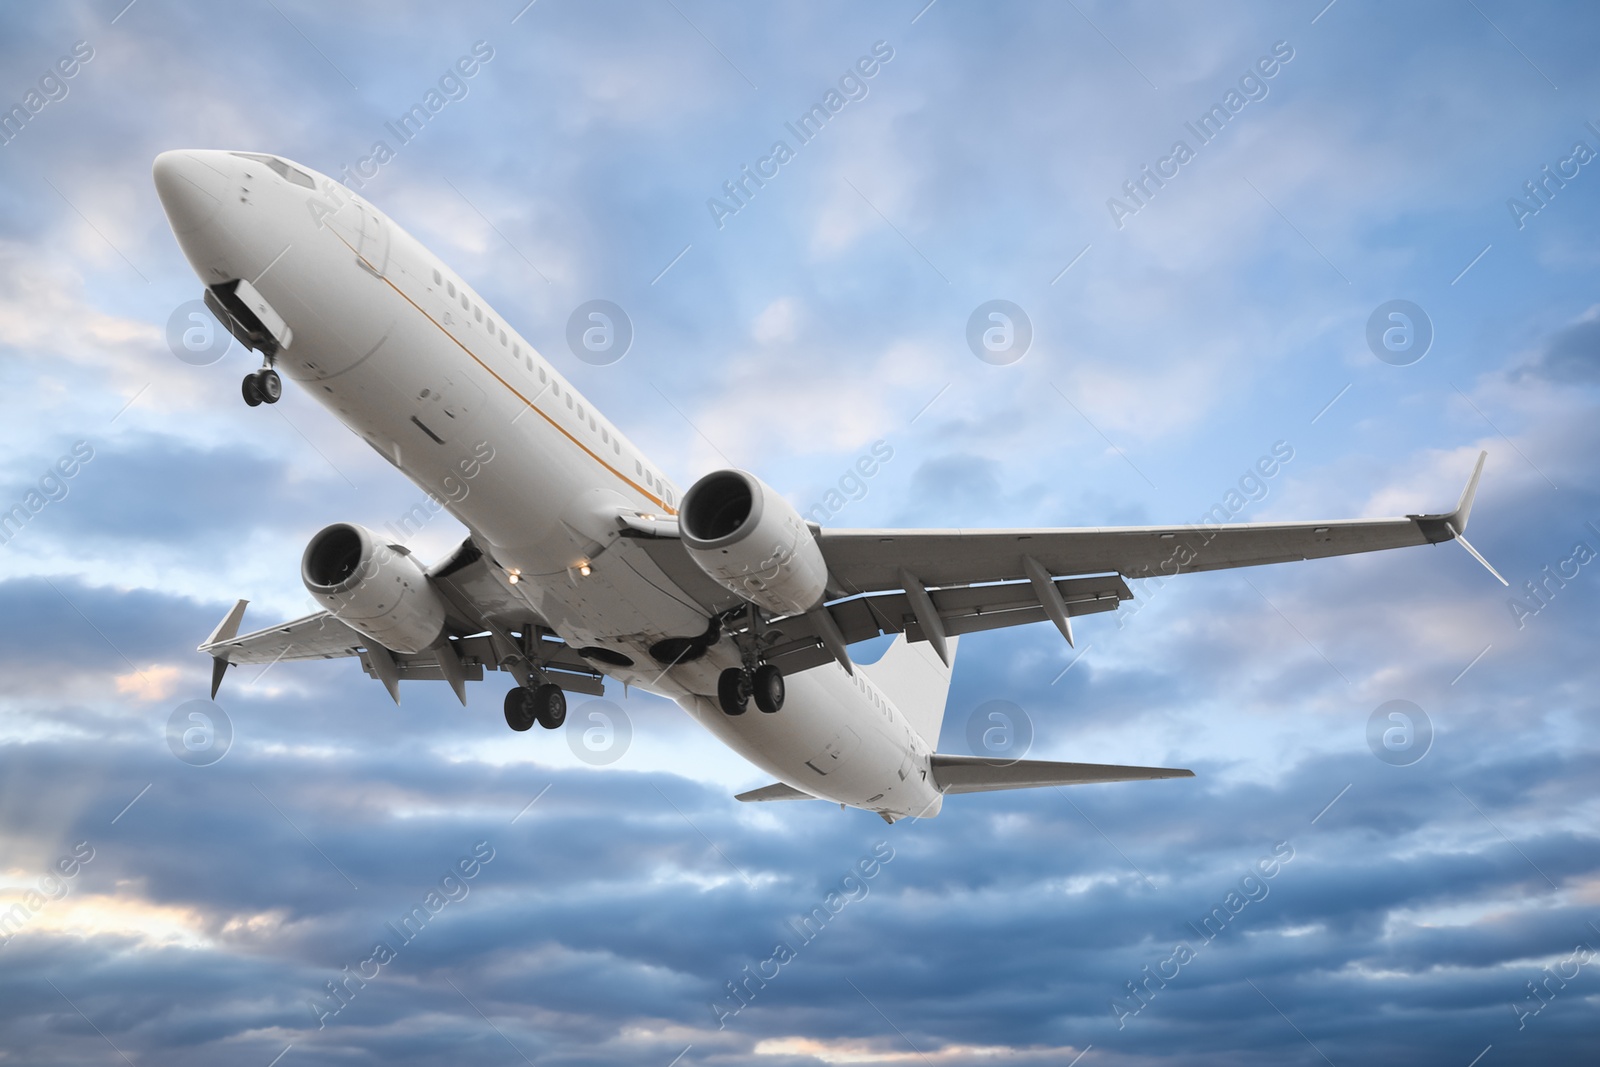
(262, 387)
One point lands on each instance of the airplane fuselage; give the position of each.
(407, 354)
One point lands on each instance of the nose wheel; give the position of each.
(736, 687)
(262, 387)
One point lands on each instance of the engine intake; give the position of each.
(379, 590)
(753, 542)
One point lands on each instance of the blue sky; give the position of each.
(1225, 317)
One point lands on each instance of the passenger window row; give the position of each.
(596, 427)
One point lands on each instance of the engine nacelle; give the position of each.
(378, 589)
(752, 541)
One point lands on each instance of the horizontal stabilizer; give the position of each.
(981, 774)
(775, 791)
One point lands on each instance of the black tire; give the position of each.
(768, 687)
(733, 691)
(269, 385)
(550, 706)
(251, 390)
(519, 708)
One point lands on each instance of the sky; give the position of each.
(1388, 852)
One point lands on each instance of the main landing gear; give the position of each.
(544, 704)
(736, 686)
(263, 387)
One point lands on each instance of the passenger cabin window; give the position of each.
(437, 279)
(541, 374)
(465, 305)
(477, 313)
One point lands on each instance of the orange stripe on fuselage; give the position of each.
(669, 509)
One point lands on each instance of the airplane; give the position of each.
(584, 562)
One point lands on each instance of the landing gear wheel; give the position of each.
(251, 388)
(549, 706)
(269, 385)
(733, 691)
(519, 708)
(768, 686)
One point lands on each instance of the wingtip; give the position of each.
(1458, 517)
(227, 629)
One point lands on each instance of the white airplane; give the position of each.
(584, 562)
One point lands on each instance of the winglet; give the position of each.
(1458, 518)
(226, 630)
(1454, 525)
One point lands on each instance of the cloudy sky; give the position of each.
(1418, 891)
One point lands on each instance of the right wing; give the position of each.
(866, 561)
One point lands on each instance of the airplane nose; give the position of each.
(191, 191)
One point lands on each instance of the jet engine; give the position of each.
(751, 541)
(379, 590)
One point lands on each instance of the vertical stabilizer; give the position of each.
(914, 678)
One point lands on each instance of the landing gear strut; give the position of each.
(763, 681)
(544, 704)
(736, 686)
(262, 387)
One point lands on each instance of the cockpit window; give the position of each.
(285, 171)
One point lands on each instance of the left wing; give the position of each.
(486, 629)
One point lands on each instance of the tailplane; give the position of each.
(978, 774)
(917, 681)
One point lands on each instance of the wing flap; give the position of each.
(962, 610)
(981, 774)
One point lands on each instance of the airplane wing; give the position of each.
(486, 630)
(935, 584)
(862, 561)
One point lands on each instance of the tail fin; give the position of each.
(914, 678)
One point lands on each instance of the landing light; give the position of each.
(514, 575)
(584, 569)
